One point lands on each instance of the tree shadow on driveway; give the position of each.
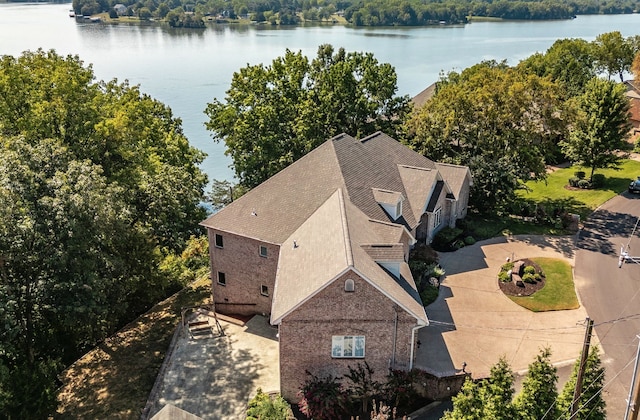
(602, 226)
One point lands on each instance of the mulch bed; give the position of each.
(512, 289)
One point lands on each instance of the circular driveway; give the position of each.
(473, 322)
(611, 295)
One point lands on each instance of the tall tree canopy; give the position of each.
(602, 126)
(614, 53)
(500, 121)
(97, 185)
(568, 61)
(273, 115)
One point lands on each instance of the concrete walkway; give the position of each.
(472, 321)
(214, 376)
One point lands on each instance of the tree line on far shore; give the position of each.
(192, 13)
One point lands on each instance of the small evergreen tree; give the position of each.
(591, 405)
(488, 399)
(537, 399)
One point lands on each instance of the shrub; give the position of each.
(580, 174)
(537, 276)
(530, 269)
(597, 181)
(583, 183)
(322, 398)
(528, 278)
(445, 237)
(573, 181)
(437, 271)
(469, 240)
(507, 266)
(400, 388)
(263, 406)
(418, 268)
(458, 244)
(504, 277)
(429, 294)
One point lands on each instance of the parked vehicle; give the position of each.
(634, 187)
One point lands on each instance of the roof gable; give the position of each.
(331, 243)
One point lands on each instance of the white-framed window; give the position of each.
(437, 217)
(219, 241)
(222, 278)
(264, 290)
(349, 285)
(347, 346)
(263, 251)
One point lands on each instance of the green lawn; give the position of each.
(582, 202)
(558, 292)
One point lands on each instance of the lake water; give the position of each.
(186, 69)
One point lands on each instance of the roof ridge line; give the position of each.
(415, 167)
(345, 229)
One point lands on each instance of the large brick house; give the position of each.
(322, 248)
(633, 93)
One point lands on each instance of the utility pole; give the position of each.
(583, 363)
(631, 413)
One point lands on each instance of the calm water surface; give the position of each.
(186, 69)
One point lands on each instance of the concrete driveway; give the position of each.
(472, 321)
(214, 376)
(612, 294)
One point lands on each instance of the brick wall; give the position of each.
(306, 334)
(245, 270)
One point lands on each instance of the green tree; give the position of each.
(568, 61)
(273, 115)
(224, 192)
(601, 128)
(537, 398)
(97, 185)
(591, 404)
(265, 407)
(363, 387)
(614, 53)
(500, 121)
(487, 399)
(635, 67)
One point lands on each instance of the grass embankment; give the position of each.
(580, 201)
(114, 379)
(558, 292)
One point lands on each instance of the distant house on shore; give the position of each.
(633, 93)
(323, 245)
(120, 9)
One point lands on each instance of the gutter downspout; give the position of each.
(395, 340)
(413, 343)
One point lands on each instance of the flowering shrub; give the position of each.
(322, 398)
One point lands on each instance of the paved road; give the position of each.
(610, 294)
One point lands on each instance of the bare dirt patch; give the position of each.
(115, 378)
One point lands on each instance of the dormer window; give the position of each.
(390, 201)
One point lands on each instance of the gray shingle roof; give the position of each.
(330, 239)
(327, 203)
(274, 209)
